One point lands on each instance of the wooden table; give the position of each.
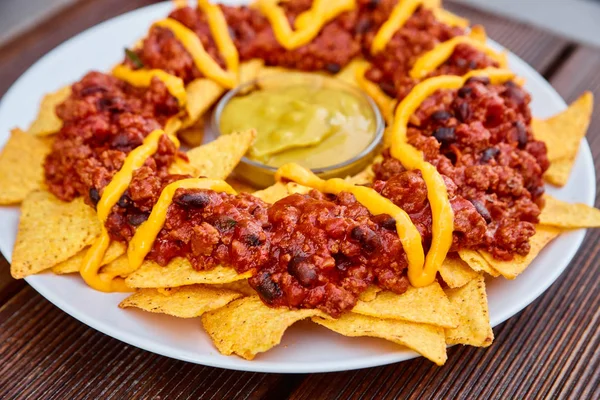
(548, 350)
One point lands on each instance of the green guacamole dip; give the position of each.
(313, 126)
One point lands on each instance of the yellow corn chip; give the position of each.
(47, 122)
(118, 267)
(569, 215)
(218, 158)
(510, 269)
(366, 176)
(247, 327)
(558, 172)
(426, 340)
(21, 166)
(192, 136)
(187, 302)
(179, 272)
(250, 70)
(51, 231)
(201, 95)
(348, 73)
(475, 260)
(562, 134)
(455, 272)
(239, 185)
(427, 305)
(73, 264)
(279, 190)
(474, 328)
(241, 286)
(370, 294)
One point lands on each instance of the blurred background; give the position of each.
(578, 20)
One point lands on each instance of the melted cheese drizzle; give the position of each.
(220, 32)
(203, 61)
(431, 60)
(112, 192)
(400, 14)
(143, 240)
(143, 78)
(308, 24)
(385, 103)
(376, 204)
(411, 158)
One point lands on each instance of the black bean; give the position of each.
(445, 135)
(489, 153)
(388, 88)
(481, 79)
(367, 238)
(231, 33)
(482, 210)
(362, 26)
(302, 270)
(472, 65)
(196, 200)
(333, 68)
(137, 219)
(252, 239)
(124, 201)
(224, 223)
(463, 112)
(120, 141)
(536, 191)
(385, 221)
(441, 115)
(516, 94)
(372, 4)
(94, 195)
(267, 288)
(461, 62)
(521, 133)
(464, 91)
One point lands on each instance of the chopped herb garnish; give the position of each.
(134, 58)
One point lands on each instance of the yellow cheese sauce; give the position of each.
(310, 125)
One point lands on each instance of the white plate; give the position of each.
(305, 347)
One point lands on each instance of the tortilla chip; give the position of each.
(250, 70)
(179, 272)
(239, 185)
(47, 122)
(558, 172)
(366, 176)
(569, 215)
(51, 231)
(470, 301)
(426, 340)
(348, 73)
(279, 190)
(73, 264)
(370, 294)
(218, 158)
(247, 327)
(201, 95)
(475, 260)
(192, 136)
(455, 272)
(21, 166)
(241, 286)
(118, 267)
(185, 302)
(562, 134)
(510, 269)
(427, 305)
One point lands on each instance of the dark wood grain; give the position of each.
(548, 350)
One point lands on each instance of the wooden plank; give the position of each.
(46, 353)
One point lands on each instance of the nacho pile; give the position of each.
(423, 297)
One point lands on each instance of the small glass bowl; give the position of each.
(261, 175)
